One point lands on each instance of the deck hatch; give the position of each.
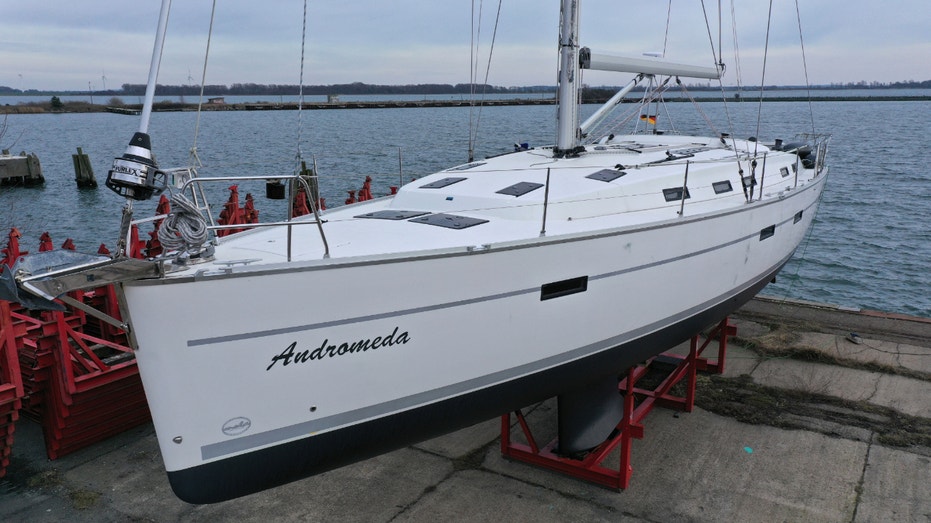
(450, 221)
(558, 289)
(767, 232)
(606, 175)
(722, 187)
(390, 214)
(674, 194)
(467, 166)
(445, 182)
(520, 189)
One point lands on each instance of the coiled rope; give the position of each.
(185, 229)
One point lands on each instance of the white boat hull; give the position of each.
(290, 378)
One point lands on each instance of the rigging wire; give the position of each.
(811, 111)
(473, 129)
(759, 114)
(300, 103)
(475, 39)
(194, 159)
(666, 36)
(737, 73)
(697, 106)
(727, 111)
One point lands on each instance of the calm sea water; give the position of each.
(870, 245)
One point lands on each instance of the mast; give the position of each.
(154, 65)
(135, 174)
(567, 116)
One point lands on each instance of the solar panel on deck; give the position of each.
(450, 221)
(442, 183)
(606, 175)
(391, 215)
(520, 188)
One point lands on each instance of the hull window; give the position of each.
(558, 289)
(798, 217)
(722, 187)
(675, 194)
(768, 232)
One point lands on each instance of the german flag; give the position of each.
(649, 119)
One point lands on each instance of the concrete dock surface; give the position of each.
(807, 423)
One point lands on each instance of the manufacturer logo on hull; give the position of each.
(236, 426)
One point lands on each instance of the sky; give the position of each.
(97, 44)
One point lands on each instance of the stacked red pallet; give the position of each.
(35, 346)
(11, 385)
(95, 392)
(69, 371)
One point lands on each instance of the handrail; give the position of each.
(289, 222)
(292, 178)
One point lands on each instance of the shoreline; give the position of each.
(134, 109)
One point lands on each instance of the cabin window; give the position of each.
(767, 232)
(675, 194)
(450, 221)
(558, 289)
(784, 171)
(606, 175)
(439, 184)
(748, 181)
(520, 189)
(391, 215)
(722, 187)
(798, 217)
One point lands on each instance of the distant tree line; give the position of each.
(359, 88)
(347, 89)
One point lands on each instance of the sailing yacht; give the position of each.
(489, 286)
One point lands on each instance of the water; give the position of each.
(747, 93)
(870, 245)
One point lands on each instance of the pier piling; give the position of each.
(83, 172)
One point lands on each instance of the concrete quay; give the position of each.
(808, 423)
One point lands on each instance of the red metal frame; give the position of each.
(69, 371)
(11, 383)
(638, 402)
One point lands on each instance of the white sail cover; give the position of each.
(655, 66)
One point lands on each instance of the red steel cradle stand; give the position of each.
(637, 402)
(72, 373)
(11, 383)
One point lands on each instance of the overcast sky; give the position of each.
(95, 43)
